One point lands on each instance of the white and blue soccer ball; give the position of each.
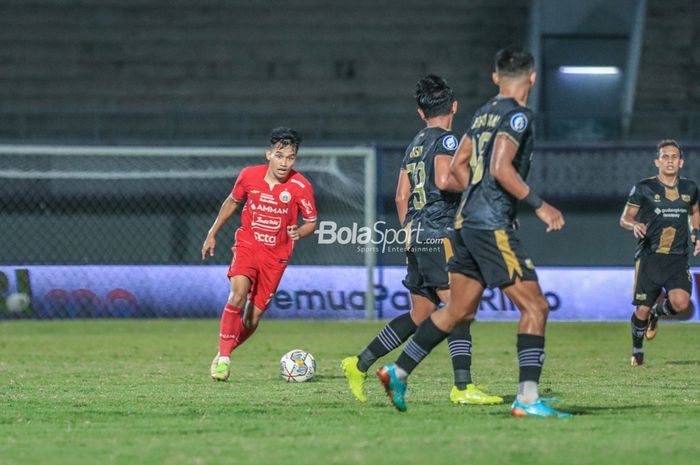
(297, 366)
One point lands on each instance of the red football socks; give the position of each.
(246, 333)
(230, 330)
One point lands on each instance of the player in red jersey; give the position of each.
(272, 195)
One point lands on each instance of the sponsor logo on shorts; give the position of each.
(285, 196)
(518, 122)
(267, 239)
(269, 223)
(640, 296)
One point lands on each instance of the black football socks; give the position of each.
(638, 329)
(460, 345)
(389, 338)
(426, 338)
(530, 360)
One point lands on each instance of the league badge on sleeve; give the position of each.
(518, 122)
(449, 142)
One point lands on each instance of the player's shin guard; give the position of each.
(460, 345)
(530, 360)
(389, 338)
(426, 338)
(638, 329)
(230, 330)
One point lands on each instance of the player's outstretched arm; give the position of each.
(228, 208)
(628, 221)
(297, 232)
(502, 169)
(403, 192)
(459, 165)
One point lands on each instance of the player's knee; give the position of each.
(642, 312)
(236, 298)
(679, 303)
(539, 306)
(462, 313)
(419, 315)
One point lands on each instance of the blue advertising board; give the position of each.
(306, 292)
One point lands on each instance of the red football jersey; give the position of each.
(269, 209)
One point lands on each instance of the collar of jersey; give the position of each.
(678, 179)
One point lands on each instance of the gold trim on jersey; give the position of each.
(447, 246)
(508, 255)
(633, 204)
(671, 194)
(408, 235)
(666, 240)
(460, 219)
(512, 139)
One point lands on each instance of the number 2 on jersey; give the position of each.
(416, 171)
(477, 161)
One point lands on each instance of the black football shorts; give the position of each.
(656, 271)
(495, 258)
(427, 269)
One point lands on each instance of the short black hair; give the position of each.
(666, 143)
(285, 137)
(514, 61)
(434, 96)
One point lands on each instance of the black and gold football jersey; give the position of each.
(664, 209)
(485, 204)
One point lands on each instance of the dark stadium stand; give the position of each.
(668, 86)
(126, 72)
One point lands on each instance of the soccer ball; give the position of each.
(297, 366)
(18, 302)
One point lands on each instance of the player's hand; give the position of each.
(697, 246)
(550, 216)
(208, 247)
(639, 230)
(293, 233)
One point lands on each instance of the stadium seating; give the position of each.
(125, 72)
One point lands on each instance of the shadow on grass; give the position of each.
(683, 362)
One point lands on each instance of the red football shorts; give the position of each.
(264, 271)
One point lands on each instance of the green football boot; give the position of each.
(473, 395)
(220, 371)
(356, 378)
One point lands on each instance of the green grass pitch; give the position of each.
(138, 392)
